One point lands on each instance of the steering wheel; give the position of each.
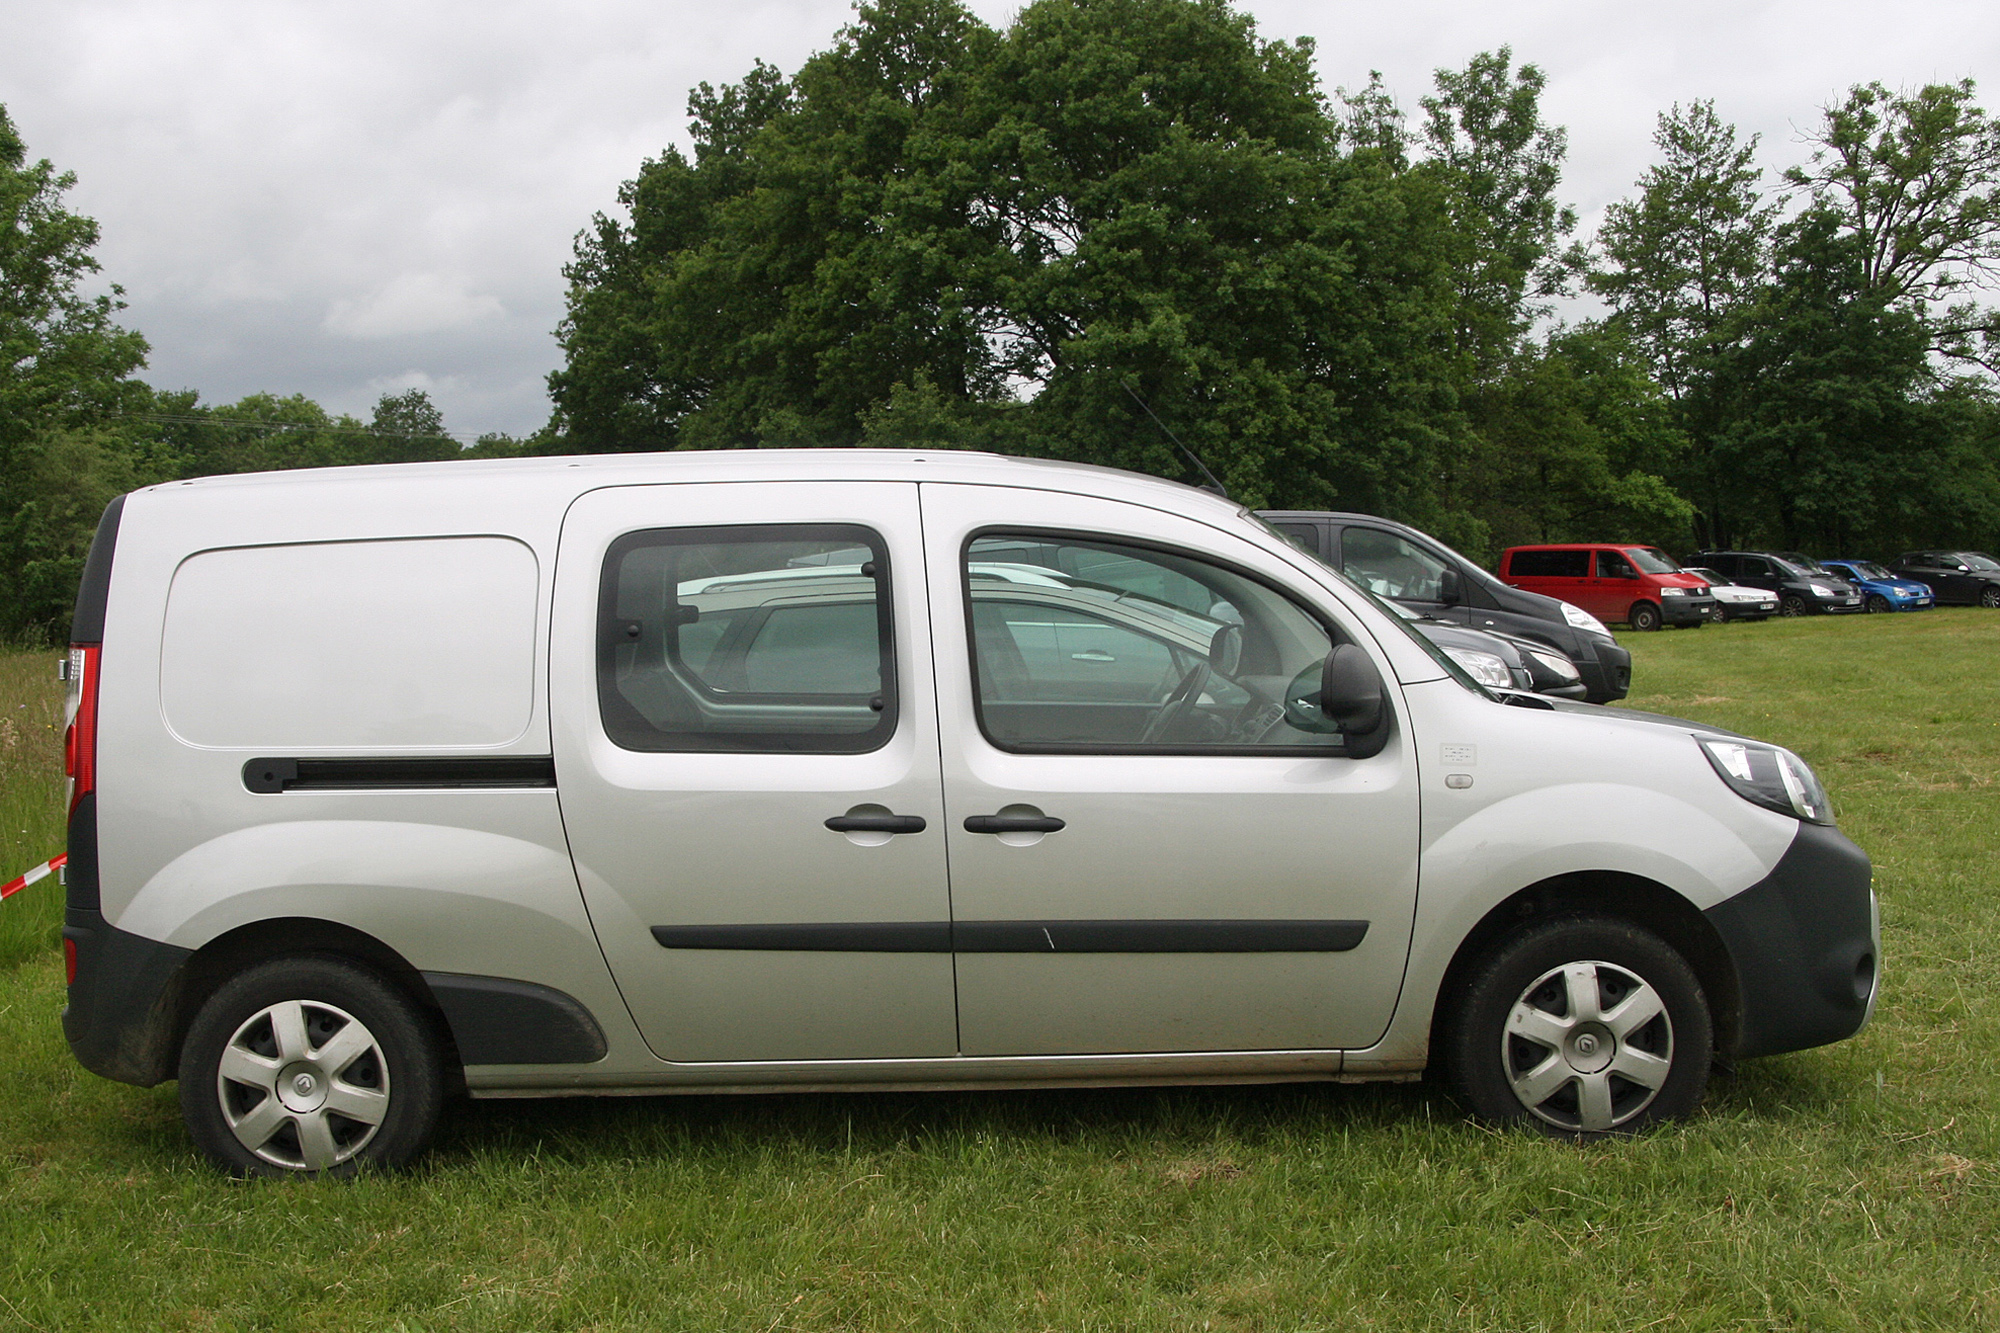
(1180, 701)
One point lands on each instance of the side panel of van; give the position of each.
(337, 717)
(719, 696)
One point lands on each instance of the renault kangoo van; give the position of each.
(845, 769)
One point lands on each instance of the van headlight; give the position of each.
(1486, 668)
(1768, 776)
(1556, 662)
(1578, 618)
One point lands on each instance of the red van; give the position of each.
(1640, 585)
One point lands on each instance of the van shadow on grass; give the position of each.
(587, 1129)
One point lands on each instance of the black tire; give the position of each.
(1579, 1078)
(333, 1069)
(1716, 614)
(1877, 604)
(1643, 617)
(1791, 604)
(1989, 597)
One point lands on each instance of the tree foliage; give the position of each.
(1915, 179)
(65, 370)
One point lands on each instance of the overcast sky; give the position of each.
(349, 199)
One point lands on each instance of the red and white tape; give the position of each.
(42, 871)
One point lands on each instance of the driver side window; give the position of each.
(1091, 646)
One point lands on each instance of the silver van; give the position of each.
(797, 770)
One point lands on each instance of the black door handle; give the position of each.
(1012, 824)
(877, 824)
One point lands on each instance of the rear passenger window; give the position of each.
(759, 638)
(1549, 565)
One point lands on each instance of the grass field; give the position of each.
(1854, 1187)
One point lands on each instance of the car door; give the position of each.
(1171, 869)
(746, 746)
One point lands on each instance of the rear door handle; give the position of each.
(1012, 824)
(877, 824)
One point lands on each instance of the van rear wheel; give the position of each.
(1580, 1027)
(310, 1065)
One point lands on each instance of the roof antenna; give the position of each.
(1213, 484)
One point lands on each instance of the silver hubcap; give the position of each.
(303, 1085)
(1587, 1046)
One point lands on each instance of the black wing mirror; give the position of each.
(1451, 589)
(1342, 696)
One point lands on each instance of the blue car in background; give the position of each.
(1880, 589)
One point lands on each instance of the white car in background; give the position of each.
(1734, 602)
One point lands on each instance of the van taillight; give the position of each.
(80, 737)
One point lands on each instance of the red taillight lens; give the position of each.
(69, 962)
(80, 737)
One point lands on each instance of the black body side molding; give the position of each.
(365, 774)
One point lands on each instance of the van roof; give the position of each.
(600, 470)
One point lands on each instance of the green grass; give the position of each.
(1854, 1187)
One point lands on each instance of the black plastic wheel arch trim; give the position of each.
(1171, 936)
(273, 775)
(497, 1021)
(1803, 945)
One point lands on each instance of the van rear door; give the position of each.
(746, 746)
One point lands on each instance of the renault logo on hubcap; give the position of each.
(304, 1084)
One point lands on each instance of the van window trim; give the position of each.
(1336, 749)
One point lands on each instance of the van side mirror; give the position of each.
(1350, 696)
(1451, 589)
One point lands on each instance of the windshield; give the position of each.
(1868, 569)
(1979, 560)
(1652, 560)
(1401, 618)
(1787, 567)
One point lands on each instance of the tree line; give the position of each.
(1038, 239)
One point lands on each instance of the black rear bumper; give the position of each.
(1806, 943)
(120, 1016)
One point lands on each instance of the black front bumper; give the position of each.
(1805, 942)
(1685, 610)
(1606, 671)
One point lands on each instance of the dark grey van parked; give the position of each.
(1422, 573)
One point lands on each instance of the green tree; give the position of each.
(1503, 162)
(997, 238)
(1915, 178)
(65, 371)
(1830, 404)
(1682, 262)
(1577, 442)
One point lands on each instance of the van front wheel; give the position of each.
(310, 1065)
(1643, 616)
(1580, 1027)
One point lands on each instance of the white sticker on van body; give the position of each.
(366, 644)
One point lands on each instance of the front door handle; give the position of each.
(877, 824)
(1013, 824)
